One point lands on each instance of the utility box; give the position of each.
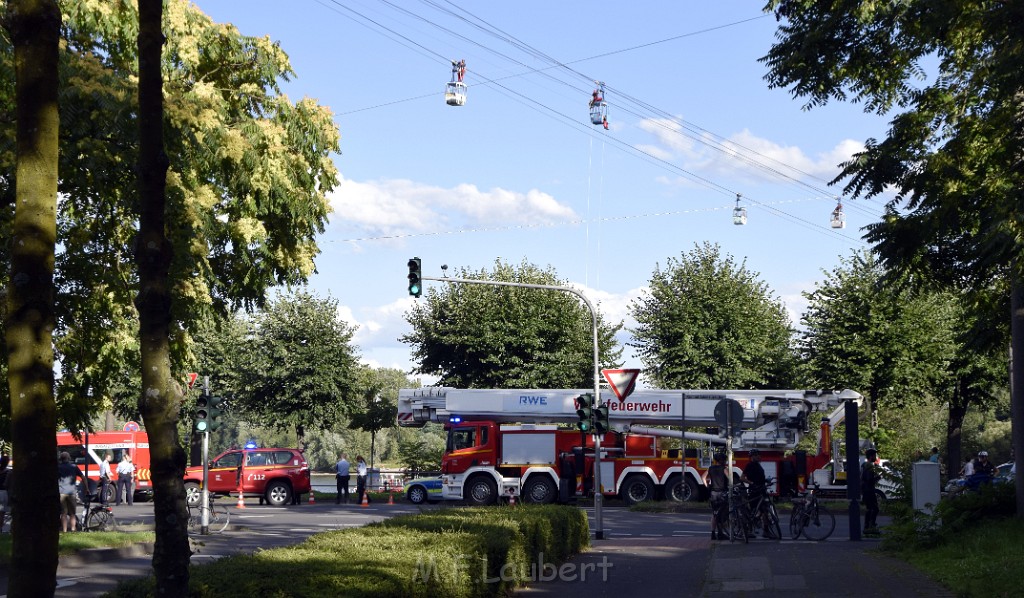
(926, 485)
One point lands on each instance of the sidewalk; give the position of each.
(699, 567)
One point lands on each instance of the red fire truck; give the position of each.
(487, 458)
(87, 450)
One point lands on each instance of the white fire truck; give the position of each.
(487, 457)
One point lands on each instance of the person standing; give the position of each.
(754, 475)
(125, 473)
(343, 476)
(4, 461)
(361, 479)
(105, 477)
(719, 492)
(868, 481)
(67, 474)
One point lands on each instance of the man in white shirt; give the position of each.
(105, 477)
(125, 472)
(343, 476)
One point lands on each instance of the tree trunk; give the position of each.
(954, 432)
(160, 402)
(34, 27)
(1017, 375)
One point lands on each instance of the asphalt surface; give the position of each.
(656, 554)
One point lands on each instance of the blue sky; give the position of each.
(520, 173)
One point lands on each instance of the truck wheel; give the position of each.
(481, 491)
(192, 494)
(681, 490)
(539, 490)
(278, 494)
(111, 493)
(637, 488)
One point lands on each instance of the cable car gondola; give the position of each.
(739, 213)
(838, 217)
(455, 91)
(598, 107)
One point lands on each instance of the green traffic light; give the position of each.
(201, 426)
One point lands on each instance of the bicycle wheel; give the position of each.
(820, 523)
(796, 521)
(100, 520)
(219, 519)
(738, 526)
(774, 528)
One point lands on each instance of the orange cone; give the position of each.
(312, 500)
(241, 500)
(391, 499)
(366, 500)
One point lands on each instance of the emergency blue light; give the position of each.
(455, 419)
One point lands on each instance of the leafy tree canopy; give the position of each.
(708, 322)
(249, 172)
(298, 368)
(483, 336)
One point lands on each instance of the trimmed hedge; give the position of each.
(483, 551)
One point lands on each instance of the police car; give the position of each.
(421, 490)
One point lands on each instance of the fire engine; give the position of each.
(87, 452)
(505, 443)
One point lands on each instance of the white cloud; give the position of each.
(399, 206)
(741, 153)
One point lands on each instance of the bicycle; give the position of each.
(99, 518)
(218, 520)
(758, 512)
(731, 519)
(811, 518)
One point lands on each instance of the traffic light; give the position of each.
(601, 419)
(585, 411)
(415, 277)
(201, 417)
(214, 411)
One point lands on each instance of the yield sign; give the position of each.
(622, 382)
(192, 376)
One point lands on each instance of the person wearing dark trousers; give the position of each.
(868, 481)
(105, 476)
(361, 479)
(342, 476)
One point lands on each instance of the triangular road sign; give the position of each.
(192, 376)
(622, 382)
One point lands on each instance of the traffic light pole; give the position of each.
(598, 494)
(204, 495)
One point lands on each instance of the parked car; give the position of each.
(421, 490)
(958, 485)
(277, 475)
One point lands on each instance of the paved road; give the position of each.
(657, 554)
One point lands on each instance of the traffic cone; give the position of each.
(366, 500)
(241, 500)
(312, 500)
(391, 499)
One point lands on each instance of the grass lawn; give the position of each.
(73, 542)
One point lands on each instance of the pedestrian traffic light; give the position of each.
(585, 411)
(201, 416)
(214, 411)
(601, 419)
(415, 277)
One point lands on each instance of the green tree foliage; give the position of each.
(482, 336)
(31, 33)
(249, 173)
(901, 348)
(299, 366)
(379, 409)
(954, 149)
(708, 322)
(889, 344)
(422, 451)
